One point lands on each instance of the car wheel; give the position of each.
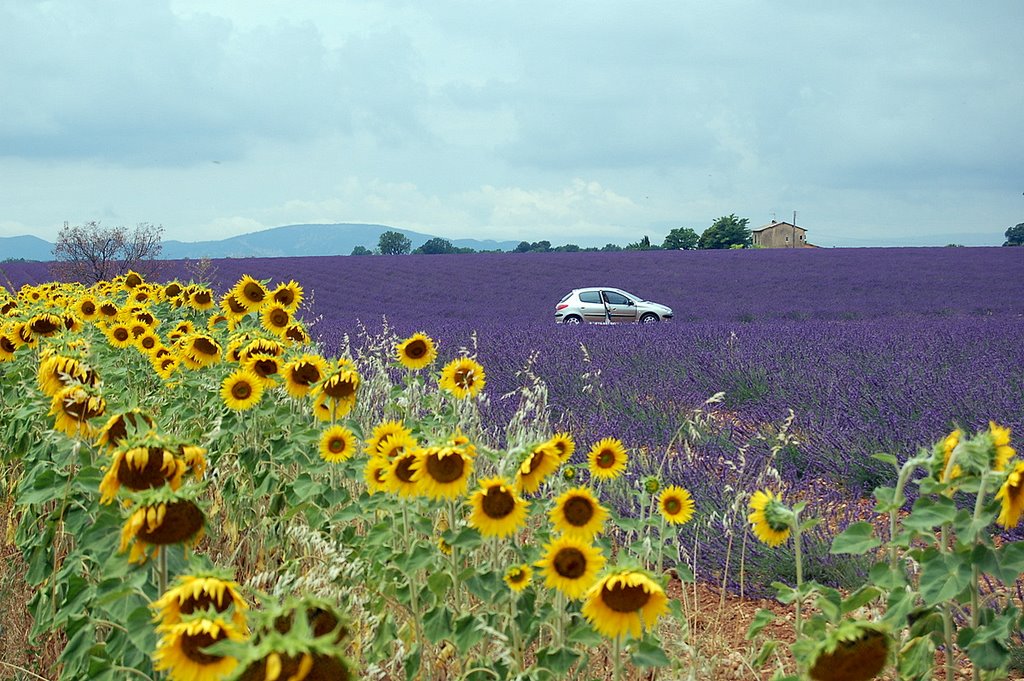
(572, 319)
(649, 318)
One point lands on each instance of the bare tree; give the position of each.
(91, 252)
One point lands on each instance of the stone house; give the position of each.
(780, 235)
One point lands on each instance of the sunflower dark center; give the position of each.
(625, 598)
(605, 458)
(340, 389)
(235, 306)
(146, 318)
(463, 378)
(205, 346)
(88, 307)
(149, 342)
(857, 660)
(672, 505)
(121, 334)
(138, 330)
(305, 374)
(498, 503)
(108, 310)
(337, 445)
(534, 462)
(182, 520)
(265, 367)
(403, 471)
(192, 645)
(148, 476)
(570, 563)
(172, 290)
(253, 292)
(284, 297)
(202, 602)
(132, 280)
(578, 511)
(295, 333)
(279, 318)
(516, 575)
(445, 469)
(203, 297)
(241, 390)
(416, 349)
(7, 345)
(44, 326)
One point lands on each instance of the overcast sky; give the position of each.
(585, 122)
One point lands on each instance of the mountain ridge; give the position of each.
(285, 241)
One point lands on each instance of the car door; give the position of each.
(620, 308)
(591, 306)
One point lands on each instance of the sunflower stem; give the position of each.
(979, 502)
(517, 644)
(456, 582)
(798, 624)
(617, 658)
(161, 571)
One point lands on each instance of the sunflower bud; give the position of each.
(569, 473)
(652, 484)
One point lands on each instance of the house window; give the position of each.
(787, 239)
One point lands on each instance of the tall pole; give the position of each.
(794, 229)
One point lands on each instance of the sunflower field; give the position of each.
(197, 491)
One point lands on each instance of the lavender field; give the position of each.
(873, 349)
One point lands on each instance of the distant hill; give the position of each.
(25, 248)
(278, 242)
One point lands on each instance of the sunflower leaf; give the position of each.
(649, 654)
(559, 661)
(856, 539)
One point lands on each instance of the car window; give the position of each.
(565, 297)
(614, 298)
(590, 297)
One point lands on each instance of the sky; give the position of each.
(877, 122)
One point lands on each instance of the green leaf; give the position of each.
(887, 458)
(784, 592)
(439, 583)
(412, 663)
(559, 661)
(943, 576)
(928, 513)
(468, 632)
(1011, 561)
(968, 530)
(585, 637)
(762, 618)
(437, 623)
(898, 607)
(766, 651)
(649, 654)
(887, 501)
(860, 598)
(856, 539)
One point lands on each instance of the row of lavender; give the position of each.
(875, 349)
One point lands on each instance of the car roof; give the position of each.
(601, 288)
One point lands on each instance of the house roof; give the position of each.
(774, 223)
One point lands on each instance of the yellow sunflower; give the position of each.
(201, 298)
(337, 444)
(192, 594)
(625, 602)
(442, 472)
(399, 477)
(275, 318)
(58, 371)
(565, 445)
(161, 523)
(676, 505)
(231, 307)
(288, 296)
(335, 396)
(199, 350)
(249, 293)
(180, 650)
(139, 468)
(296, 333)
(854, 650)
(241, 390)
(383, 430)
(266, 367)
(87, 308)
(542, 461)
(395, 445)
(607, 459)
(416, 352)
(497, 511)
(577, 513)
(7, 347)
(181, 329)
(119, 335)
(119, 426)
(570, 565)
(302, 373)
(1011, 496)
(518, 577)
(376, 474)
(1002, 451)
(463, 378)
(73, 407)
(769, 518)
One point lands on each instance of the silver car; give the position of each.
(606, 305)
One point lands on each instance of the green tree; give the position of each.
(643, 245)
(681, 239)
(393, 243)
(436, 246)
(1015, 235)
(726, 232)
(523, 247)
(361, 250)
(611, 248)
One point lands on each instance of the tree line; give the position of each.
(727, 231)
